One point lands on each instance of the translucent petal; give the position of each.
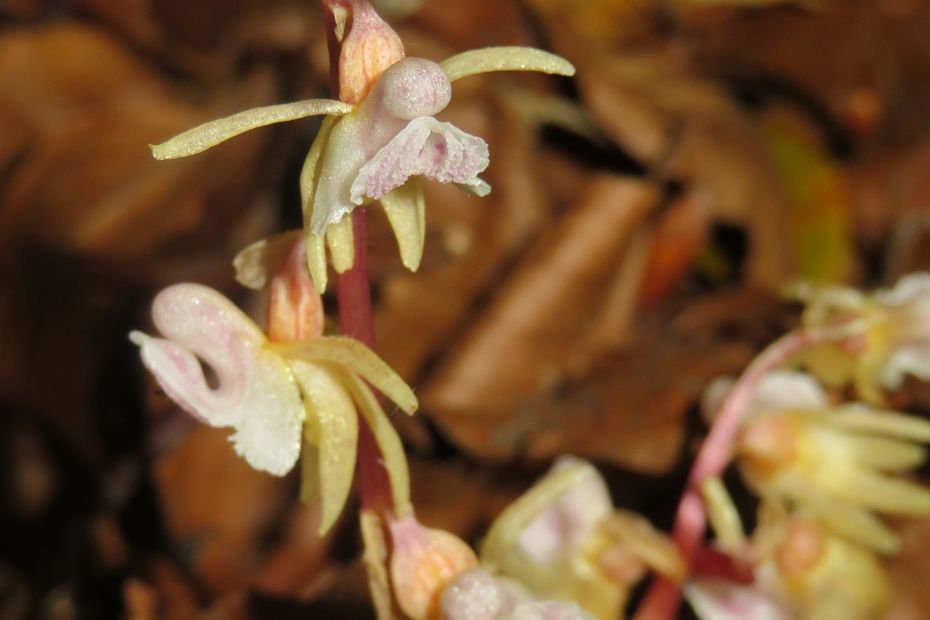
(512, 58)
(638, 537)
(852, 521)
(724, 600)
(353, 139)
(511, 523)
(332, 424)
(480, 189)
(356, 357)
(427, 147)
(888, 423)
(406, 212)
(310, 171)
(210, 134)
(256, 393)
(723, 515)
(316, 261)
(880, 493)
(392, 450)
(568, 519)
(375, 558)
(882, 453)
(255, 262)
(340, 239)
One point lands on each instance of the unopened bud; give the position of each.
(423, 561)
(361, 47)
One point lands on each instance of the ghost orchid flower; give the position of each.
(380, 148)
(563, 540)
(836, 464)
(277, 396)
(893, 335)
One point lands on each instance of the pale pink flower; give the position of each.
(277, 397)
(377, 148)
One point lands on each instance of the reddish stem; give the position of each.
(354, 296)
(664, 596)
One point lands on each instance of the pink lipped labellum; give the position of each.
(295, 393)
(381, 138)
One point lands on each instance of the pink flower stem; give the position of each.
(354, 296)
(664, 596)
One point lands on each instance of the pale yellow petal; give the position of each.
(889, 423)
(311, 168)
(843, 517)
(723, 515)
(316, 246)
(316, 262)
(508, 526)
(392, 450)
(332, 422)
(210, 134)
(375, 558)
(340, 239)
(256, 261)
(406, 212)
(880, 493)
(884, 454)
(357, 358)
(512, 58)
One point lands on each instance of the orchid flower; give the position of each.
(894, 335)
(802, 570)
(834, 464)
(378, 142)
(563, 540)
(280, 398)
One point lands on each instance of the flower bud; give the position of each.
(361, 47)
(422, 562)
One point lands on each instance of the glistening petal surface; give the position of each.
(508, 58)
(332, 426)
(355, 357)
(436, 150)
(210, 134)
(255, 394)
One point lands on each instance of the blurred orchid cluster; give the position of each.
(823, 469)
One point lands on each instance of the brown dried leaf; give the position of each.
(84, 181)
(627, 409)
(217, 506)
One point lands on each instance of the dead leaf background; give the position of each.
(629, 254)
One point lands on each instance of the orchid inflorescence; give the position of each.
(825, 471)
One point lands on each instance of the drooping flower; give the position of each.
(297, 391)
(893, 335)
(834, 464)
(562, 540)
(379, 141)
(802, 570)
